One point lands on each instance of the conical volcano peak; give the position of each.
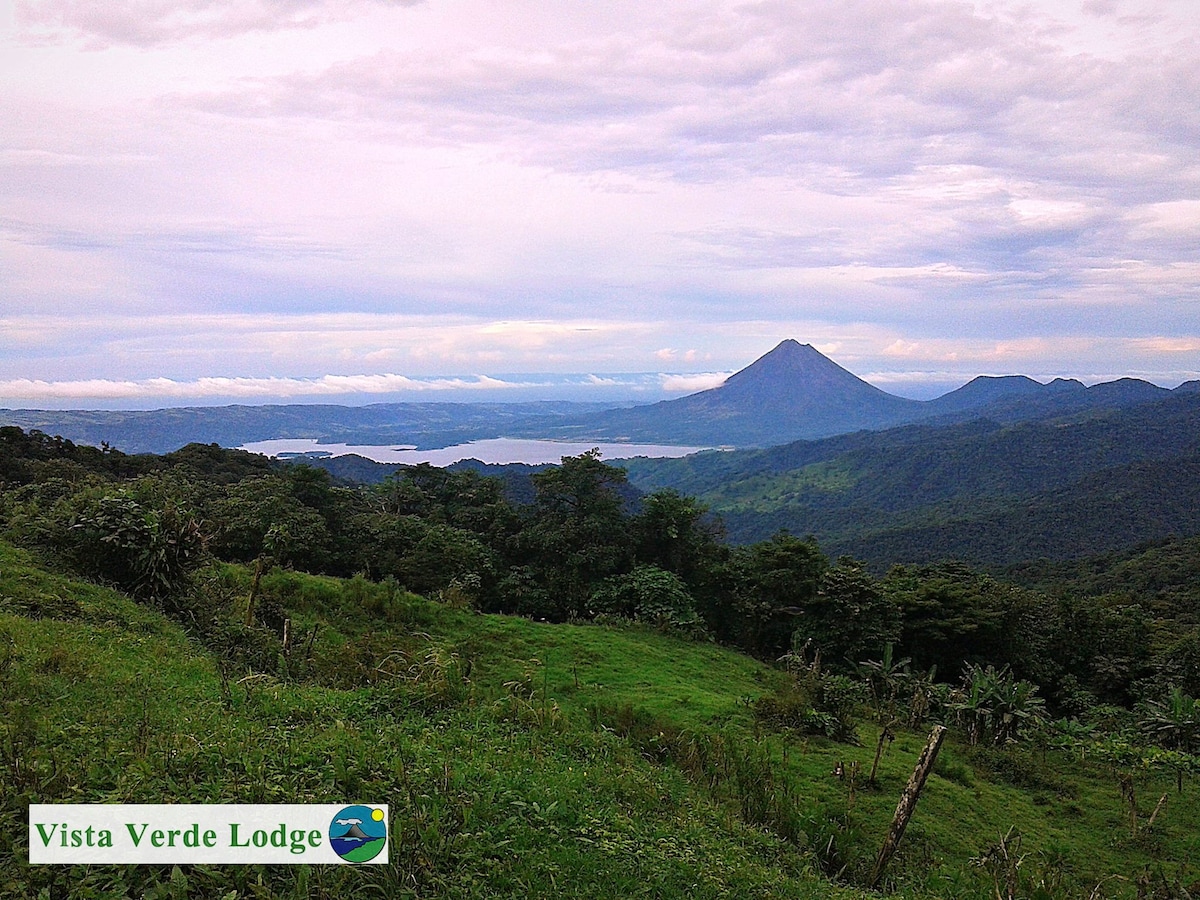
(789, 345)
(792, 351)
(793, 392)
(792, 366)
(788, 349)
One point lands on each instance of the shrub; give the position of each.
(147, 552)
(648, 594)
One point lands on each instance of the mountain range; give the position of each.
(421, 425)
(792, 393)
(797, 393)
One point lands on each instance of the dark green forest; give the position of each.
(986, 492)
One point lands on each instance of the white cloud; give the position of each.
(152, 22)
(245, 388)
(687, 384)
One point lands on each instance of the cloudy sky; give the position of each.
(349, 199)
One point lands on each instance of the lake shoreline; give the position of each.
(492, 451)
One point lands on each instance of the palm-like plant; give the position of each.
(995, 704)
(886, 678)
(929, 698)
(973, 708)
(1174, 723)
(1015, 703)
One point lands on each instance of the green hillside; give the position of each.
(494, 792)
(983, 492)
(521, 758)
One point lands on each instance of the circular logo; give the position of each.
(358, 833)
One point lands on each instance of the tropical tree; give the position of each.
(774, 581)
(577, 533)
(849, 615)
(648, 594)
(256, 507)
(677, 534)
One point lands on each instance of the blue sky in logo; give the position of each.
(330, 199)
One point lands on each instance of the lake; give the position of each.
(495, 450)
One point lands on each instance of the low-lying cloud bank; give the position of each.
(167, 391)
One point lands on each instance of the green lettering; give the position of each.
(137, 835)
(46, 835)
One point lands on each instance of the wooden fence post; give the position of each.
(908, 801)
(260, 567)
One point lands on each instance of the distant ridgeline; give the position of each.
(421, 425)
(792, 393)
(796, 393)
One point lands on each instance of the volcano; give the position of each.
(794, 392)
(354, 833)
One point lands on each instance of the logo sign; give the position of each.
(158, 833)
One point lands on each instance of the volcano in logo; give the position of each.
(358, 833)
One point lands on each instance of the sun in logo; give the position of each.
(358, 833)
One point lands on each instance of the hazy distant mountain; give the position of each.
(792, 393)
(797, 393)
(986, 389)
(422, 425)
(1015, 398)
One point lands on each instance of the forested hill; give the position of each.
(981, 491)
(1162, 575)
